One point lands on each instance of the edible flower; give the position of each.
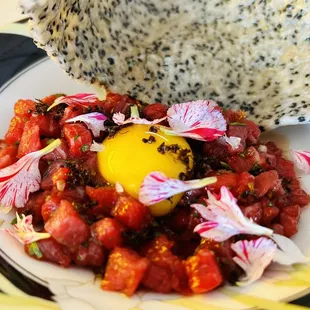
(288, 252)
(301, 160)
(253, 257)
(234, 142)
(225, 219)
(200, 120)
(94, 121)
(24, 231)
(157, 187)
(119, 118)
(22, 178)
(83, 99)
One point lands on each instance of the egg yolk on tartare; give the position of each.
(137, 150)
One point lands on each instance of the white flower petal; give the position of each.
(234, 142)
(253, 257)
(22, 178)
(119, 119)
(156, 187)
(288, 252)
(94, 121)
(200, 120)
(226, 219)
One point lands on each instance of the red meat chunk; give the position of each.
(269, 214)
(158, 278)
(285, 169)
(216, 149)
(61, 152)
(237, 131)
(124, 272)
(34, 206)
(253, 132)
(24, 108)
(293, 211)
(289, 217)
(159, 252)
(91, 255)
(226, 179)
(108, 232)
(290, 225)
(266, 181)
(7, 154)
(49, 206)
(234, 116)
(49, 127)
(297, 195)
(16, 129)
(155, 111)
(117, 103)
(47, 180)
(273, 149)
(78, 138)
(277, 228)
(253, 212)
(132, 213)
(70, 112)
(245, 182)
(50, 250)
(203, 272)
(30, 140)
(67, 227)
(106, 198)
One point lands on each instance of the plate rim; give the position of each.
(44, 283)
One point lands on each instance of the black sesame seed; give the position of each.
(301, 119)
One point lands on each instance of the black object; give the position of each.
(16, 53)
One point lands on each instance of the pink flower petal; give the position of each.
(24, 231)
(83, 99)
(253, 257)
(119, 119)
(301, 160)
(234, 142)
(157, 187)
(199, 120)
(22, 178)
(225, 219)
(94, 121)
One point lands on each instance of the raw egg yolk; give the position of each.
(134, 152)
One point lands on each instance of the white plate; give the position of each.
(76, 288)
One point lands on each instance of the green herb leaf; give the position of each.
(236, 124)
(34, 250)
(14, 221)
(16, 143)
(256, 169)
(226, 166)
(85, 148)
(76, 137)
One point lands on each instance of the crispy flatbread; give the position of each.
(250, 55)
